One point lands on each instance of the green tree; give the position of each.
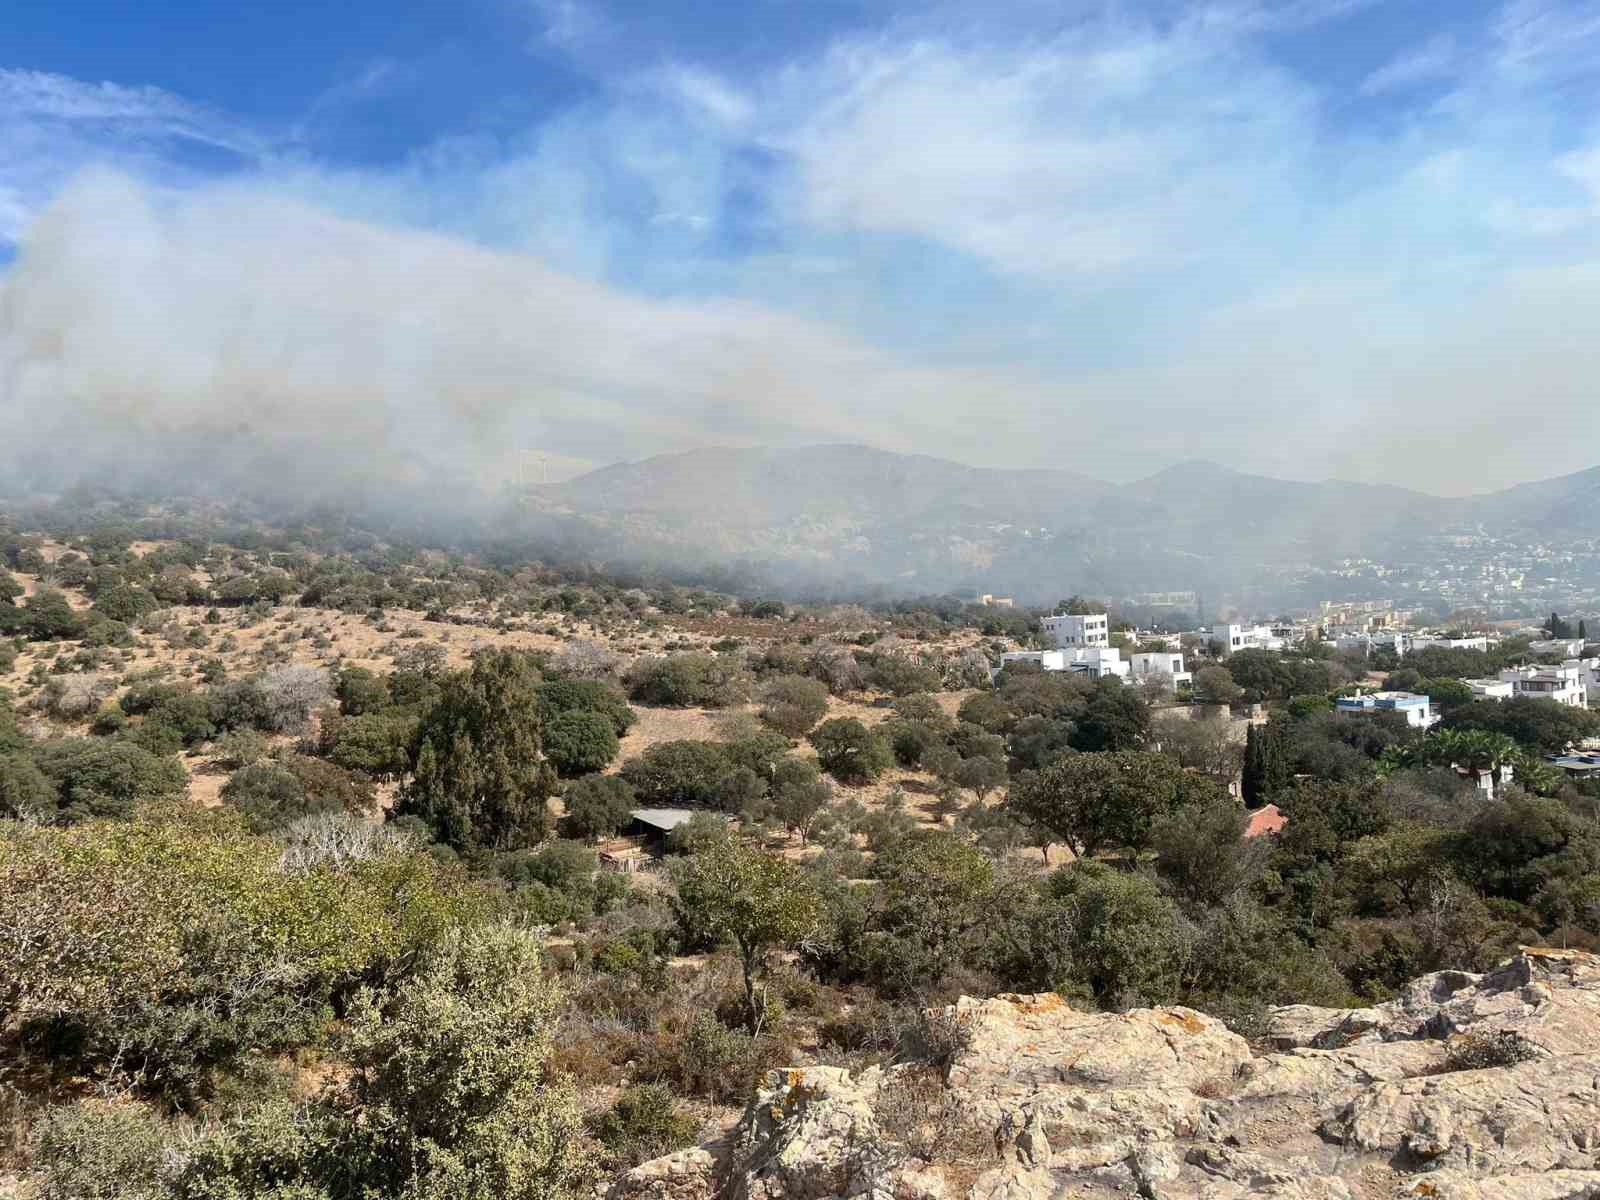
(1215, 685)
(756, 900)
(678, 774)
(793, 704)
(481, 780)
(849, 751)
(587, 695)
(1266, 770)
(799, 796)
(1202, 852)
(47, 616)
(1115, 717)
(1096, 802)
(597, 806)
(928, 914)
(1127, 942)
(579, 742)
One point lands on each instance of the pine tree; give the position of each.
(1582, 632)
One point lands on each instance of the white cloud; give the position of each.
(571, 25)
(709, 93)
(1435, 59)
(52, 126)
(1086, 154)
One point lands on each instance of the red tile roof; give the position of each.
(1265, 820)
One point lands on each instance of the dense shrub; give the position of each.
(448, 1096)
(644, 1123)
(597, 806)
(849, 751)
(793, 704)
(680, 774)
(587, 695)
(688, 680)
(96, 778)
(580, 742)
(98, 1151)
(166, 950)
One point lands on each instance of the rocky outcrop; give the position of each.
(1046, 1102)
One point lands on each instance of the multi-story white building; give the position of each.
(1093, 629)
(1563, 684)
(1159, 663)
(1417, 709)
(1366, 643)
(1591, 678)
(1094, 661)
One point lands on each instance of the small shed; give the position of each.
(652, 825)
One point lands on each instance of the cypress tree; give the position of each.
(481, 780)
(1252, 779)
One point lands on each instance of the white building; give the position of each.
(1366, 643)
(1094, 661)
(1160, 663)
(1245, 637)
(1566, 647)
(1563, 684)
(1491, 689)
(1591, 678)
(1090, 630)
(1418, 710)
(1477, 641)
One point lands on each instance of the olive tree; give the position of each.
(758, 901)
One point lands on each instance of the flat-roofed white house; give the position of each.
(1477, 641)
(1566, 647)
(1157, 662)
(1563, 684)
(1246, 637)
(1097, 662)
(1091, 629)
(1491, 689)
(1417, 709)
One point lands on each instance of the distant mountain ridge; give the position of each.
(914, 522)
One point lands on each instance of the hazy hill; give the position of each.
(850, 514)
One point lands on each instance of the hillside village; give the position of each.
(919, 805)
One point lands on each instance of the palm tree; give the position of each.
(1477, 751)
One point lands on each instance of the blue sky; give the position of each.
(1308, 237)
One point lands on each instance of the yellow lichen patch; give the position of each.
(1041, 1002)
(1184, 1021)
(1558, 954)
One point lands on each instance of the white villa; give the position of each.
(1094, 661)
(1093, 629)
(1564, 684)
(1159, 663)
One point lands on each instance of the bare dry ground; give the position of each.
(174, 644)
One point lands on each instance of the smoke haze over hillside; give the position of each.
(1106, 243)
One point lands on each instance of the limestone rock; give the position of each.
(1537, 1185)
(1046, 1102)
(1535, 1116)
(1305, 1025)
